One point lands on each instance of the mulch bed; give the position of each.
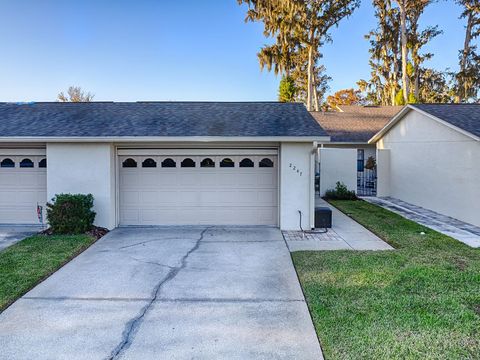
(97, 232)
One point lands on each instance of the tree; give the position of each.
(75, 94)
(287, 89)
(396, 53)
(402, 6)
(436, 86)
(383, 85)
(416, 41)
(345, 97)
(300, 28)
(410, 11)
(468, 77)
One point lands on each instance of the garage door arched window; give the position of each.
(227, 162)
(129, 163)
(188, 163)
(246, 163)
(26, 163)
(7, 163)
(208, 163)
(265, 163)
(42, 163)
(149, 163)
(169, 163)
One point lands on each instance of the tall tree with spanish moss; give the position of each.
(383, 86)
(300, 28)
(468, 77)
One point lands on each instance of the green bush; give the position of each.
(71, 213)
(340, 193)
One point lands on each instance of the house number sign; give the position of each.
(296, 169)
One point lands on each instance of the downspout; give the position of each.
(313, 155)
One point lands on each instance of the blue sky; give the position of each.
(171, 50)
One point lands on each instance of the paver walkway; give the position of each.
(167, 293)
(466, 233)
(345, 234)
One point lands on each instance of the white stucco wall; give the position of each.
(296, 185)
(84, 169)
(337, 165)
(383, 172)
(434, 166)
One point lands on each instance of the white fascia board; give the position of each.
(61, 139)
(446, 123)
(407, 109)
(146, 152)
(361, 143)
(6, 151)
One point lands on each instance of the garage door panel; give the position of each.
(188, 196)
(149, 197)
(128, 178)
(21, 189)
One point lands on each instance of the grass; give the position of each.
(25, 264)
(420, 301)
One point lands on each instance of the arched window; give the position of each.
(129, 163)
(265, 163)
(227, 162)
(188, 163)
(246, 163)
(169, 163)
(7, 163)
(149, 163)
(207, 162)
(26, 163)
(42, 163)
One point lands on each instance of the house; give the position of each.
(161, 163)
(429, 156)
(345, 156)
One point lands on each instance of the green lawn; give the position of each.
(29, 261)
(420, 301)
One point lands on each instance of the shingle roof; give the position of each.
(355, 123)
(463, 116)
(103, 119)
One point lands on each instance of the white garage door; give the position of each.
(192, 189)
(23, 185)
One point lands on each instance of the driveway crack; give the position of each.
(134, 324)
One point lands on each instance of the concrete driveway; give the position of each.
(167, 293)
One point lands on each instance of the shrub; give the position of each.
(371, 163)
(340, 193)
(71, 213)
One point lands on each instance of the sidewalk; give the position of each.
(459, 230)
(345, 234)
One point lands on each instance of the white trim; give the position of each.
(13, 152)
(79, 139)
(406, 110)
(200, 152)
(346, 143)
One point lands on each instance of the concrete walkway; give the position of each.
(466, 233)
(10, 234)
(345, 234)
(167, 293)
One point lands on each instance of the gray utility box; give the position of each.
(323, 218)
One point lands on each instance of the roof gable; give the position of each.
(158, 119)
(464, 118)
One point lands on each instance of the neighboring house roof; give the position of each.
(355, 124)
(157, 119)
(462, 117)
